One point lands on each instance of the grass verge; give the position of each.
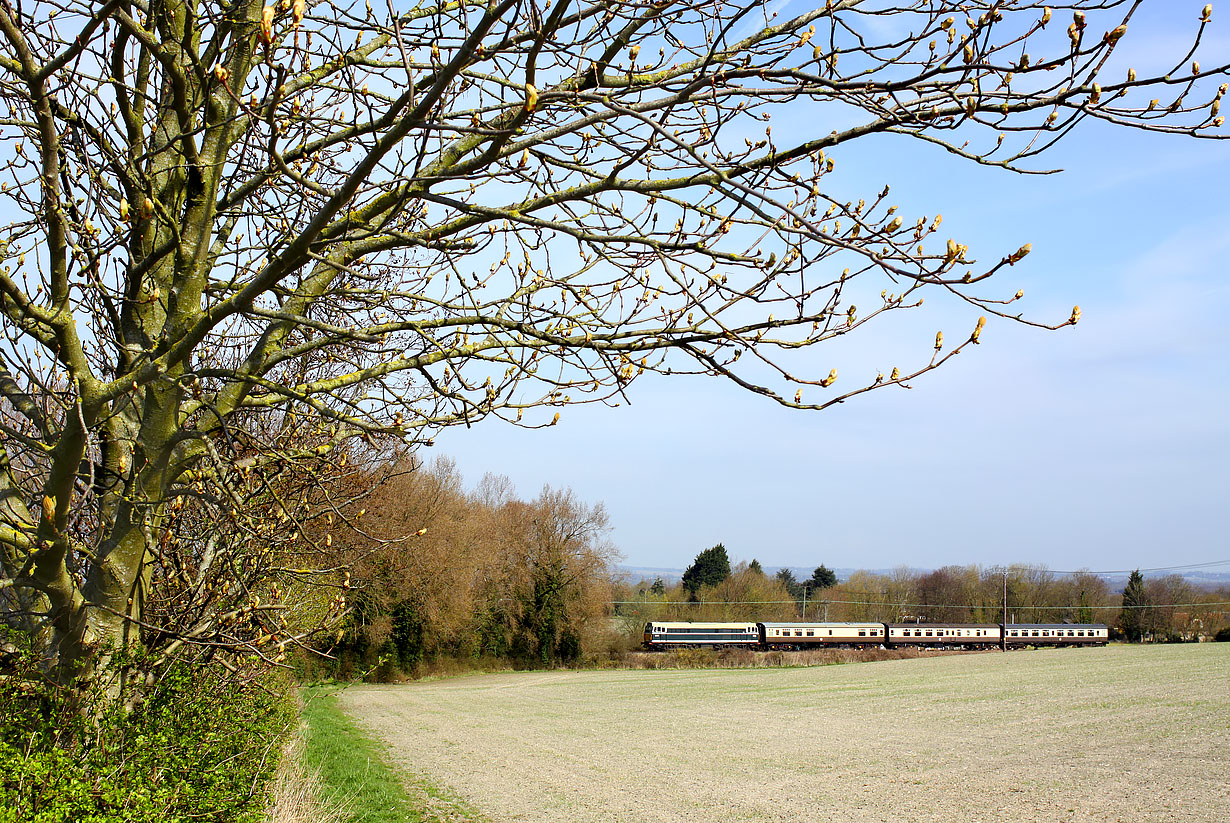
(355, 777)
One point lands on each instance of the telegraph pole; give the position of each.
(1003, 627)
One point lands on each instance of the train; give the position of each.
(798, 636)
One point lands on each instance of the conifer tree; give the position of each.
(1131, 618)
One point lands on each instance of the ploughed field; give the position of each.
(1139, 734)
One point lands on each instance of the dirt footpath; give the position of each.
(1139, 735)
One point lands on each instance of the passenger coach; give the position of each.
(1017, 635)
(943, 635)
(810, 635)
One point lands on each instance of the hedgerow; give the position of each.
(194, 748)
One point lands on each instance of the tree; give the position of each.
(247, 237)
(793, 587)
(658, 588)
(822, 578)
(1132, 619)
(754, 567)
(710, 567)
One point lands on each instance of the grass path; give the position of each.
(1120, 734)
(355, 775)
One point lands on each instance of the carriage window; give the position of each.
(811, 633)
(862, 633)
(798, 634)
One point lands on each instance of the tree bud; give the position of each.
(267, 25)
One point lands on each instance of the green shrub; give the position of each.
(195, 749)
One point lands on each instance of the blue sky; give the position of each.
(1104, 447)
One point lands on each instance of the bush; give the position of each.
(1223, 635)
(195, 749)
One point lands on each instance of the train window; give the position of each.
(811, 633)
(798, 634)
(862, 633)
(830, 632)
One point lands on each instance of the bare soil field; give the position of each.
(1132, 734)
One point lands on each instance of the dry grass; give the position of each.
(295, 793)
(752, 659)
(1139, 734)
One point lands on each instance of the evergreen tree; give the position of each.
(658, 588)
(793, 587)
(1132, 618)
(755, 567)
(822, 578)
(711, 567)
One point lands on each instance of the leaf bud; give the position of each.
(267, 25)
(531, 97)
(939, 340)
(828, 381)
(1112, 36)
(896, 375)
(1206, 13)
(982, 321)
(1076, 315)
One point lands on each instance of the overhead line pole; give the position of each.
(1003, 627)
